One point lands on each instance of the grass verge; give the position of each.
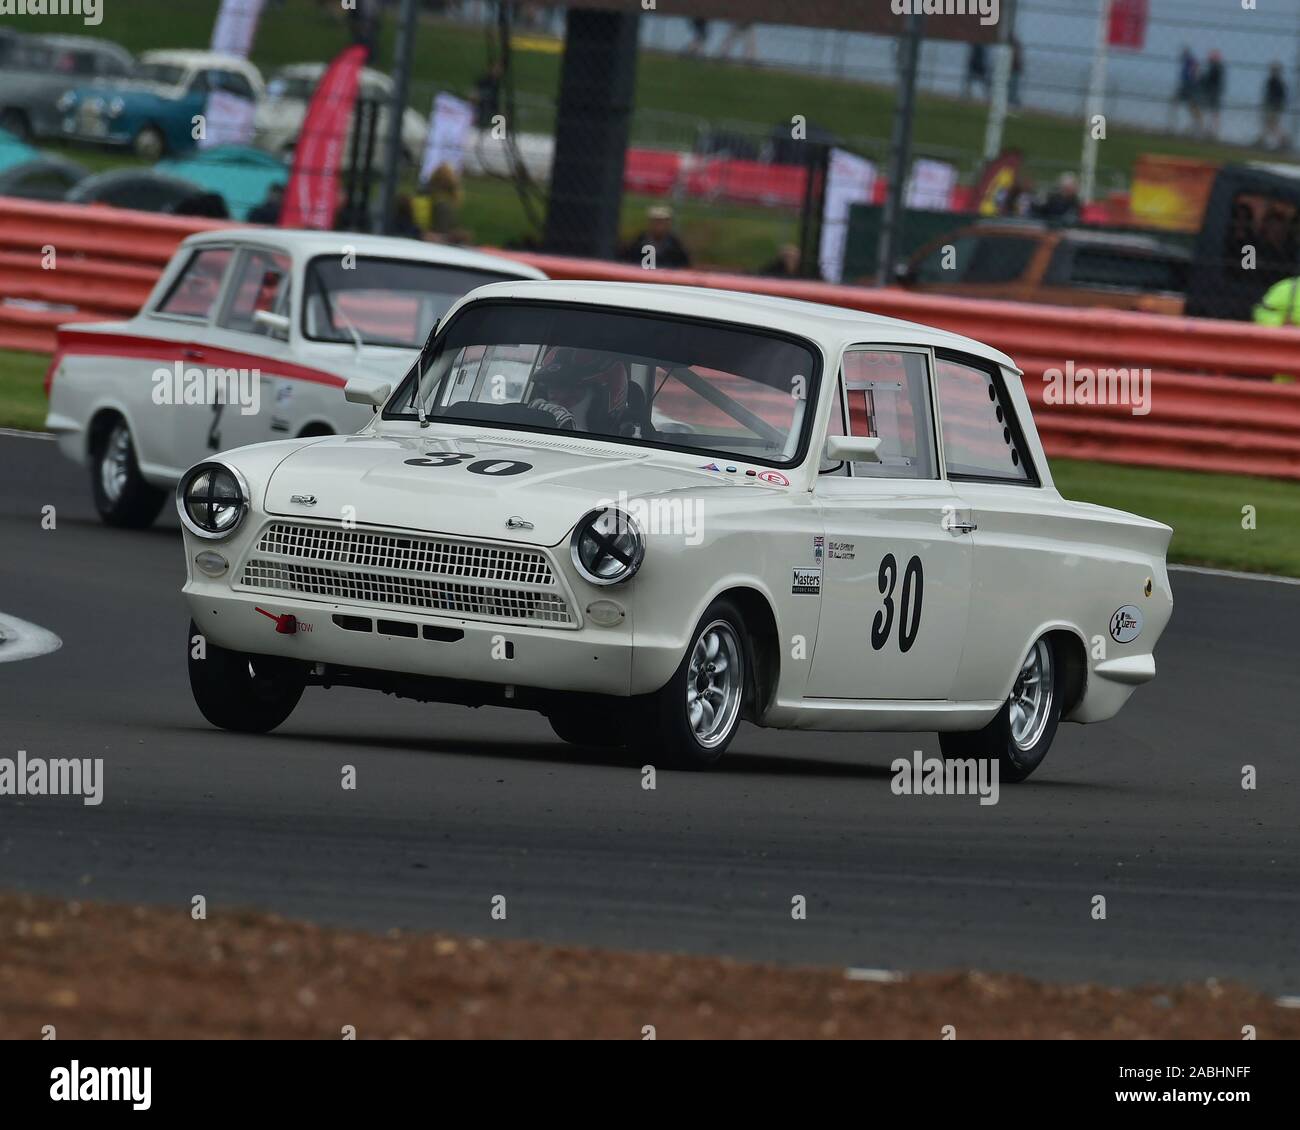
(22, 392)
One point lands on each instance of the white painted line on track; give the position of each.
(1234, 574)
(21, 640)
(19, 433)
(878, 976)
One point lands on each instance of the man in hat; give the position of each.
(658, 245)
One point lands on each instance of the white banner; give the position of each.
(236, 25)
(229, 120)
(850, 180)
(449, 129)
(930, 185)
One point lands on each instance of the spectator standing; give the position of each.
(1212, 84)
(1187, 93)
(1275, 98)
(669, 251)
(268, 212)
(436, 210)
(786, 263)
(700, 37)
(977, 70)
(1062, 206)
(487, 95)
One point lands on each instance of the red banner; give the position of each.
(1128, 24)
(312, 194)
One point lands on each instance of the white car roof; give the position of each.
(196, 59)
(307, 244)
(833, 327)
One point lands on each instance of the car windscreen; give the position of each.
(391, 302)
(724, 391)
(162, 73)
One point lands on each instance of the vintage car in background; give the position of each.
(1031, 261)
(37, 70)
(650, 512)
(288, 92)
(143, 190)
(286, 316)
(153, 110)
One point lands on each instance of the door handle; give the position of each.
(191, 354)
(963, 527)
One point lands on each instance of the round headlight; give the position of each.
(116, 107)
(607, 546)
(212, 499)
(66, 100)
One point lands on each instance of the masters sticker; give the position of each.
(1126, 624)
(806, 582)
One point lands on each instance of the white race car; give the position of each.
(248, 335)
(650, 512)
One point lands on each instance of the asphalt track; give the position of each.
(455, 806)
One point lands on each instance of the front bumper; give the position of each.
(590, 660)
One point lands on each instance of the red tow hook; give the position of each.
(286, 623)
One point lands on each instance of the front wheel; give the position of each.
(122, 496)
(1022, 732)
(692, 720)
(149, 144)
(251, 694)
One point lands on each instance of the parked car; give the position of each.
(153, 110)
(46, 176)
(140, 189)
(281, 114)
(38, 70)
(1029, 261)
(240, 175)
(296, 312)
(650, 512)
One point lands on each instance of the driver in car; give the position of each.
(584, 390)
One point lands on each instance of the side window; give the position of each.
(200, 83)
(232, 82)
(195, 292)
(261, 283)
(997, 259)
(888, 396)
(940, 267)
(980, 437)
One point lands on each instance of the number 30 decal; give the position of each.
(482, 467)
(909, 609)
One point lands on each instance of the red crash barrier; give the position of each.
(1206, 414)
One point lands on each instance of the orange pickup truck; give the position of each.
(1029, 261)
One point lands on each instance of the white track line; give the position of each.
(1232, 573)
(18, 433)
(21, 640)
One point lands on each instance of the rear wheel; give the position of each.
(122, 496)
(693, 719)
(1022, 732)
(251, 694)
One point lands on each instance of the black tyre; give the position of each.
(122, 496)
(592, 728)
(1022, 732)
(251, 694)
(691, 721)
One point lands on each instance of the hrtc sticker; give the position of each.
(806, 582)
(1126, 624)
(774, 477)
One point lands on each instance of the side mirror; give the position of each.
(366, 390)
(854, 449)
(277, 324)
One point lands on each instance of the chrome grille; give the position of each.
(498, 582)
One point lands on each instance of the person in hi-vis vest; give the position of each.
(1280, 306)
